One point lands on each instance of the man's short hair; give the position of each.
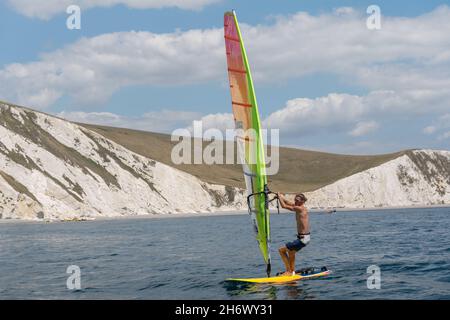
(300, 197)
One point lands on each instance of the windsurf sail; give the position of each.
(248, 133)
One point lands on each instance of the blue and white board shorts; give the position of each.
(299, 243)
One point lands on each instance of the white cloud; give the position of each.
(92, 69)
(440, 126)
(405, 68)
(429, 130)
(160, 121)
(340, 43)
(340, 112)
(305, 115)
(444, 136)
(219, 121)
(364, 127)
(49, 8)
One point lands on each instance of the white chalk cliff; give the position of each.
(417, 178)
(54, 169)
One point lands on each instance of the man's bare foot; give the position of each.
(287, 274)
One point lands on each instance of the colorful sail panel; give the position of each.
(249, 138)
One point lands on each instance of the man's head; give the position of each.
(300, 199)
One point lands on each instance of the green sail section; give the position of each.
(248, 133)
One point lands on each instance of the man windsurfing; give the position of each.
(288, 252)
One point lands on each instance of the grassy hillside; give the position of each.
(300, 170)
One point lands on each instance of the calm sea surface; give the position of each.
(189, 258)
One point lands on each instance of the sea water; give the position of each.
(190, 257)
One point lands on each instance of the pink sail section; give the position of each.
(237, 74)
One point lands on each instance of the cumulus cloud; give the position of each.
(217, 121)
(304, 115)
(340, 43)
(92, 69)
(364, 127)
(444, 136)
(410, 56)
(49, 8)
(159, 121)
(404, 67)
(338, 112)
(440, 126)
(429, 130)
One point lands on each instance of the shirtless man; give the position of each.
(288, 252)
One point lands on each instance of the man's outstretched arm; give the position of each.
(285, 204)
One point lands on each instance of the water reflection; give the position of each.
(297, 291)
(291, 291)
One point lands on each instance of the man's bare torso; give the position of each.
(302, 217)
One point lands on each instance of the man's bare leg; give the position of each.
(291, 255)
(285, 258)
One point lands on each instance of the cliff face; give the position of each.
(54, 169)
(420, 177)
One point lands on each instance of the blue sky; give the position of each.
(321, 77)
